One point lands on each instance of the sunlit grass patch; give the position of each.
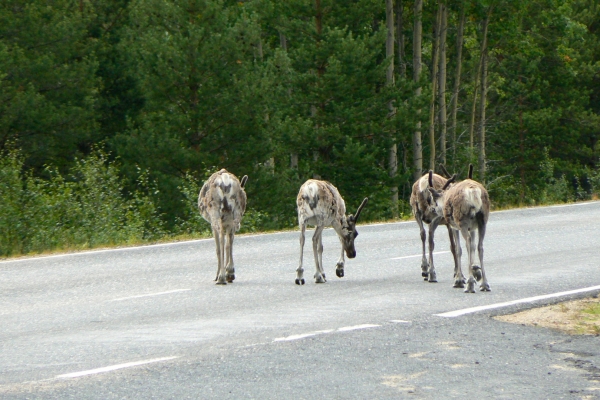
(578, 317)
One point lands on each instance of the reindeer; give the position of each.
(420, 201)
(466, 208)
(222, 202)
(320, 204)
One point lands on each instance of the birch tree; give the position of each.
(457, 77)
(417, 38)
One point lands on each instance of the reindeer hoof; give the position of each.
(339, 273)
(424, 275)
(477, 272)
(459, 284)
(230, 278)
(221, 283)
(299, 281)
(485, 288)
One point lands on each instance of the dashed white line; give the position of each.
(418, 255)
(471, 310)
(310, 334)
(112, 368)
(399, 321)
(353, 328)
(301, 336)
(151, 294)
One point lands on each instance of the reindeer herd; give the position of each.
(464, 208)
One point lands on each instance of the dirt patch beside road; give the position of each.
(578, 317)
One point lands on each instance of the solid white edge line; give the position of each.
(150, 294)
(254, 235)
(418, 255)
(113, 368)
(457, 313)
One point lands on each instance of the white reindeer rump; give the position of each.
(466, 207)
(222, 203)
(319, 202)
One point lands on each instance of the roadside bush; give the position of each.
(87, 209)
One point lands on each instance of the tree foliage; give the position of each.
(125, 106)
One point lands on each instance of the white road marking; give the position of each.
(150, 294)
(355, 327)
(399, 321)
(112, 368)
(471, 310)
(310, 334)
(418, 255)
(301, 336)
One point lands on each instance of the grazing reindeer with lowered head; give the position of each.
(466, 208)
(320, 204)
(222, 202)
(420, 201)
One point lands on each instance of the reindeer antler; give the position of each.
(470, 176)
(243, 181)
(449, 181)
(430, 178)
(444, 171)
(364, 203)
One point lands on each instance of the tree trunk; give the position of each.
(457, 76)
(293, 155)
(283, 41)
(474, 111)
(320, 72)
(442, 81)
(482, 98)
(400, 38)
(417, 37)
(389, 53)
(434, 77)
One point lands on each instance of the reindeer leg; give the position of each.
(424, 263)
(483, 286)
(431, 275)
(339, 267)
(219, 238)
(459, 278)
(467, 234)
(316, 239)
(320, 250)
(230, 269)
(300, 270)
(215, 232)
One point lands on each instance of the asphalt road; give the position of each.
(149, 322)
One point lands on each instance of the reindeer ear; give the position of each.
(449, 182)
(470, 176)
(243, 181)
(430, 178)
(364, 203)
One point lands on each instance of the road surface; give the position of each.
(149, 322)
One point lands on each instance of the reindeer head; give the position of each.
(348, 232)
(435, 202)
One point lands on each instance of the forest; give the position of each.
(114, 112)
